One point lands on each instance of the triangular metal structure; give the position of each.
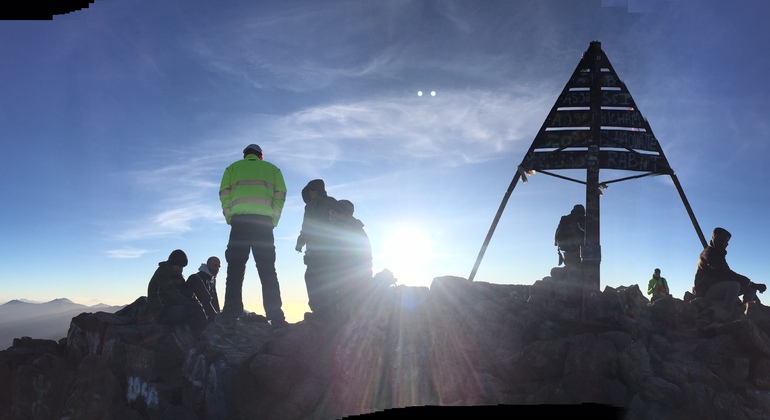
(594, 124)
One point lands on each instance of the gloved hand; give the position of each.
(760, 287)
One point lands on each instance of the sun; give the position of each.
(407, 252)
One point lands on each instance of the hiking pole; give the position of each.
(494, 223)
(689, 210)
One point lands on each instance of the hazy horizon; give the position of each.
(42, 320)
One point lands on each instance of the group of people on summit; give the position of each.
(338, 254)
(714, 280)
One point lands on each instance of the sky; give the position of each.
(117, 122)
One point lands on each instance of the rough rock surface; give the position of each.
(457, 344)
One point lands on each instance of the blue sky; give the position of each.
(117, 121)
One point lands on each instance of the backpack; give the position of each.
(564, 232)
(569, 233)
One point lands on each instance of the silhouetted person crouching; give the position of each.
(168, 299)
(716, 282)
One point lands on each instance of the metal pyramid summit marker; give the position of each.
(595, 121)
(594, 124)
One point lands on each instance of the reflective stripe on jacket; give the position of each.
(252, 186)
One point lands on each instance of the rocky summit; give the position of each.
(457, 344)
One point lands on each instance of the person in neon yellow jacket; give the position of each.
(252, 186)
(252, 193)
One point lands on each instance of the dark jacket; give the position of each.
(713, 268)
(570, 234)
(166, 289)
(351, 249)
(204, 288)
(316, 220)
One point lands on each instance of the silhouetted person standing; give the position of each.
(252, 193)
(570, 235)
(314, 236)
(715, 281)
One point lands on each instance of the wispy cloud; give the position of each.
(191, 170)
(172, 221)
(182, 194)
(637, 6)
(451, 128)
(296, 50)
(126, 253)
(480, 109)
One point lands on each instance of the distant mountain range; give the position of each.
(48, 320)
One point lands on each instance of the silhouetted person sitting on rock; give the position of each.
(203, 285)
(716, 282)
(167, 297)
(570, 236)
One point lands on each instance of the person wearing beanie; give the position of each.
(203, 285)
(715, 281)
(167, 297)
(252, 193)
(314, 236)
(177, 258)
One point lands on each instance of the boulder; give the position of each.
(457, 344)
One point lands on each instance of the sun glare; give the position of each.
(407, 252)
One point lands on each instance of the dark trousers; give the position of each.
(319, 281)
(251, 234)
(191, 313)
(725, 293)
